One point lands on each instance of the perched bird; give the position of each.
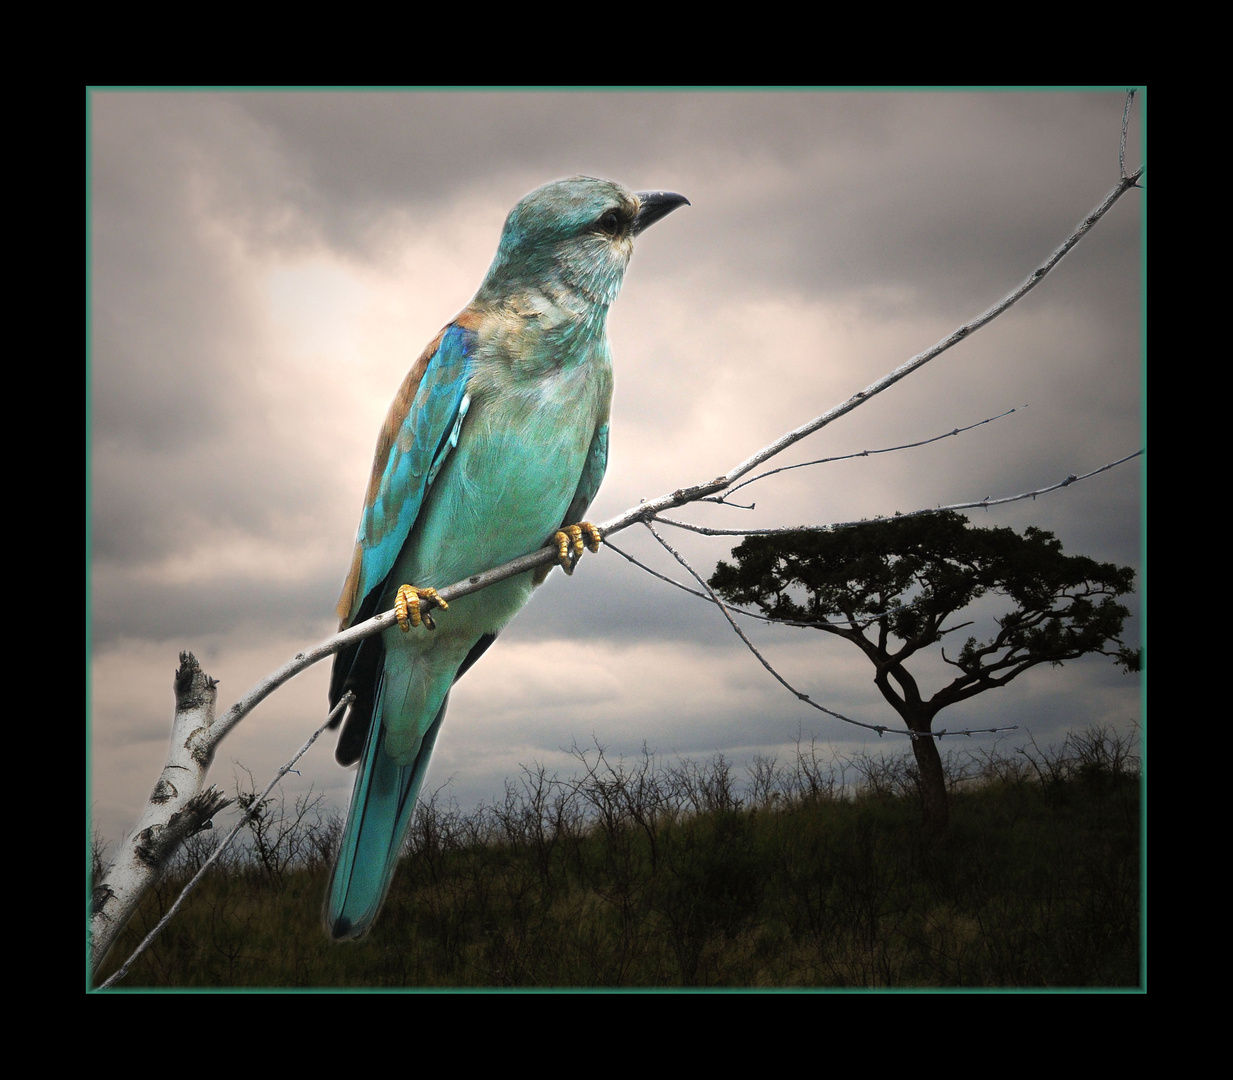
(494, 446)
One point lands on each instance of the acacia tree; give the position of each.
(889, 586)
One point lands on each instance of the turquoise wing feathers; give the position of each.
(422, 429)
(592, 476)
(419, 435)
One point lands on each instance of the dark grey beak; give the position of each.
(654, 205)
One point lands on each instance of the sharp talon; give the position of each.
(569, 543)
(407, 607)
(564, 540)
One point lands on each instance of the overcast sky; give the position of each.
(266, 266)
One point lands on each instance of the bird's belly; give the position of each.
(501, 494)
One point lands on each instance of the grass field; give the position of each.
(811, 873)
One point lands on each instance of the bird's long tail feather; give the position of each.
(382, 804)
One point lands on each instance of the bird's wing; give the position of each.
(592, 476)
(588, 484)
(420, 431)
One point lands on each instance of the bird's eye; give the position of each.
(610, 223)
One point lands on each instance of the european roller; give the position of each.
(495, 445)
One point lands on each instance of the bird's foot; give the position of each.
(569, 543)
(407, 607)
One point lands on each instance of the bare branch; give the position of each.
(1121, 148)
(860, 453)
(984, 503)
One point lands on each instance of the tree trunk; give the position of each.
(934, 800)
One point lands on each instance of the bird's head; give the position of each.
(575, 234)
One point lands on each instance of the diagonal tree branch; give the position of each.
(648, 510)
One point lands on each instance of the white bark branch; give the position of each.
(105, 936)
(178, 807)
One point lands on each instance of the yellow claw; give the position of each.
(407, 607)
(571, 538)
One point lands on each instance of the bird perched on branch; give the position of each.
(495, 445)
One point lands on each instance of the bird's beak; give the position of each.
(653, 205)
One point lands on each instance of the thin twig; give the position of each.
(755, 614)
(881, 729)
(1121, 149)
(122, 971)
(860, 453)
(984, 503)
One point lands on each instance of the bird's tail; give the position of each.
(380, 815)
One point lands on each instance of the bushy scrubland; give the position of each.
(646, 873)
